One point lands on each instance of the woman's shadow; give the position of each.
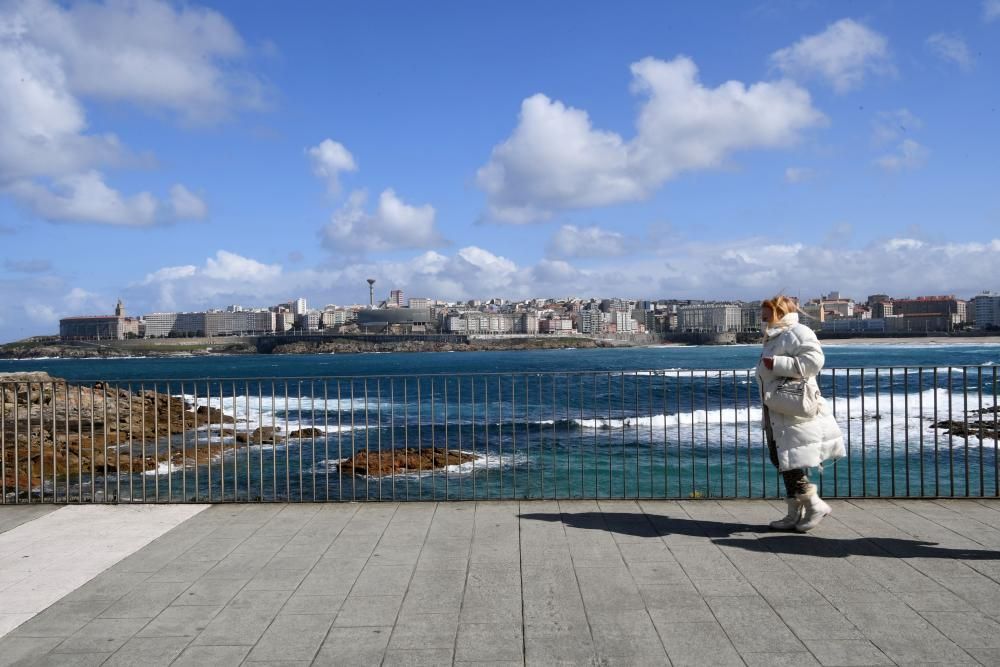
(655, 526)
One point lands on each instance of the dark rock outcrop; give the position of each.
(403, 461)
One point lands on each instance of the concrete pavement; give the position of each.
(511, 583)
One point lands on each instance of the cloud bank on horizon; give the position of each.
(183, 158)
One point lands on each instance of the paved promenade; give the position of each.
(540, 583)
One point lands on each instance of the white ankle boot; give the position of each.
(813, 509)
(791, 519)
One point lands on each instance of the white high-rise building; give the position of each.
(299, 306)
(709, 317)
(986, 310)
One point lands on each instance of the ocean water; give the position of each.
(606, 423)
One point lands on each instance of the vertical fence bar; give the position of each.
(392, 432)
(569, 449)
(461, 427)
(555, 438)
(472, 405)
(249, 438)
(233, 449)
(892, 432)
(951, 440)
(708, 471)
(420, 438)
(69, 470)
(514, 463)
(41, 442)
(833, 399)
(750, 384)
(486, 433)
(184, 460)
(850, 457)
(378, 434)
(17, 446)
(298, 449)
(406, 433)
(208, 441)
(996, 437)
(499, 429)
(649, 404)
(879, 418)
(594, 429)
(920, 407)
(326, 441)
(288, 443)
(906, 427)
(622, 414)
(722, 447)
(170, 447)
(637, 412)
(447, 443)
(982, 441)
(118, 445)
(611, 475)
(3, 446)
(937, 460)
(262, 485)
(340, 445)
(156, 442)
(965, 423)
(368, 448)
(864, 447)
(198, 452)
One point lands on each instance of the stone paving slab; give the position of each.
(880, 582)
(49, 554)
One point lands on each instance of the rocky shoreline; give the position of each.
(982, 424)
(57, 350)
(353, 346)
(50, 429)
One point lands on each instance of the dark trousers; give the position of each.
(796, 480)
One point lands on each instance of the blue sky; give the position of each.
(191, 155)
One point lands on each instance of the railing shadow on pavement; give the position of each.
(721, 534)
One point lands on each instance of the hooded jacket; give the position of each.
(802, 442)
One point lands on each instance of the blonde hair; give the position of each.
(780, 306)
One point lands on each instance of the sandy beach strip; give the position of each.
(922, 340)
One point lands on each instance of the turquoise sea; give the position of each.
(604, 423)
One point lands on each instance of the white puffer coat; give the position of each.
(802, 442)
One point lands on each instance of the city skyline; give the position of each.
(491, 149)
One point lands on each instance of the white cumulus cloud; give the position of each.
(573, 241)
(85, 197)
(889, 126)
(330, 158)
(230, 266)
(950, 48)
(186, 204)
(556, 159)
(153, 54)
(798, 174)
(908, 155)
(393, 225)
(844, 55)
(181, 57)
(991, 10)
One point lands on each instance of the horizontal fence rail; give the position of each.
(909, 432)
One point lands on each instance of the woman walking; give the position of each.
(800, 428)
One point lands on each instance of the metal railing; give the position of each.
(909, 432)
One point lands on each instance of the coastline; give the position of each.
(22, 351)
(927, 340)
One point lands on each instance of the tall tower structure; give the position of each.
(371, 292)
(120, 309)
